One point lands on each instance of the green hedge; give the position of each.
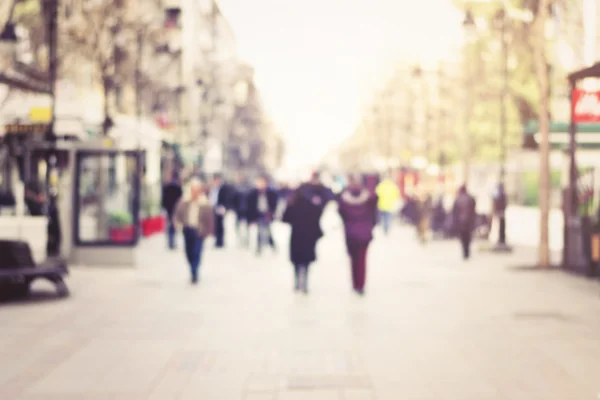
(531, 186)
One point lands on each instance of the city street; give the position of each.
(431, 326)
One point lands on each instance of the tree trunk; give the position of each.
(543, 81)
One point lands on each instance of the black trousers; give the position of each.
(219, 230)
(263, 234)
(465, 236)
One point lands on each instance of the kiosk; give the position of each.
(99, 205)
(101, 185)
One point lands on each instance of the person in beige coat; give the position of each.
(194, 214)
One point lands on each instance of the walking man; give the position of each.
(171, 194)
(240, 206)
(262, 206)
(195, 215)
(463, 215)
(218, 200)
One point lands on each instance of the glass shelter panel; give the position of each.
(108, 198)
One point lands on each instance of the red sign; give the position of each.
(586, 106)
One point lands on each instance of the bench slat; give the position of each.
(34, 271)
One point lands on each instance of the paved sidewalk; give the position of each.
(430, 327)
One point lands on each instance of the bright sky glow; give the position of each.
(318, 61)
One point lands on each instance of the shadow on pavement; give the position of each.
(534, 268)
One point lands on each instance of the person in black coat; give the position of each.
(219, 199)
(463, 216)
(171, 193)
(262, 206)
(239, 204)
(303, 212)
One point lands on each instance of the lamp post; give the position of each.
(500, 198)
(50, 8)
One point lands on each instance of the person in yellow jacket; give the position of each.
(388, 194)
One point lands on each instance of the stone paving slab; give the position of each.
(430, 327)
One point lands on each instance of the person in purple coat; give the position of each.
(357, 206)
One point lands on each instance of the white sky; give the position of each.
(318, 61)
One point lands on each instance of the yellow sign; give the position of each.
(40, 114)
(108, 143)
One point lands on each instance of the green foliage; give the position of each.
(119, 219)
(531, 186)
(28, 14)
(486, 57)
(151, 204)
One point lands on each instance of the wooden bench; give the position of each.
(18, 270)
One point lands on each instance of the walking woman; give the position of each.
(358, 209)
(303, 212)
(195, 214)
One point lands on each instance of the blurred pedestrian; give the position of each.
(358, 208)
(194, 214)
(219, 201)
(262, 206)
(438, 218)
(464, 213)
(35, 198)
(240, 195)
(388, 194)
(171, 194)
(424, 211)
(303, 212)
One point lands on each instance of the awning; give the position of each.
(588, 135)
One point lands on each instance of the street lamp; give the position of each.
(50, 9)
(500, 199)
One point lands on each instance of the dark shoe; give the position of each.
(360, 292)
(195, 280)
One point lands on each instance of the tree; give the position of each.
(544, 89)
(28, 70)
(104, 34)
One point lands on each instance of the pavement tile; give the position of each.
(311, 395)
(260, 396)
(358, 394)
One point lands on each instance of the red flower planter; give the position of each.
(153, 225)
(122, 234)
